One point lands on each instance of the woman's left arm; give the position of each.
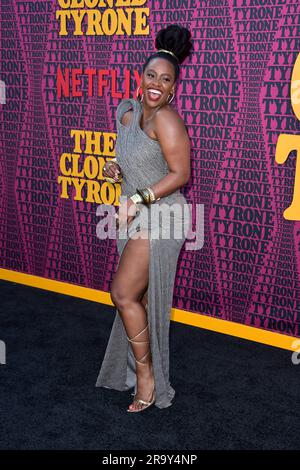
(175, 144)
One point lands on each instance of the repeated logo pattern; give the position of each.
(234, 96)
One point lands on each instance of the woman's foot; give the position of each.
(145, 388)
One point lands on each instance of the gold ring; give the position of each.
(112, 180)
(108, 165)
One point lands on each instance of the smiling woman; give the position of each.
(153, 154)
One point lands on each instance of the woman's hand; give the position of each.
(127, 212)
(112, 170)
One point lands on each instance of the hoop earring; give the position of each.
(171, 98)
(137, 94)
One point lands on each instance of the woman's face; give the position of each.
(159, 76)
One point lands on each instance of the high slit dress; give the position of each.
(143, 164)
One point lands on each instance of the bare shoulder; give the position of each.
(168, 121)
(174, 141)
(168, 112)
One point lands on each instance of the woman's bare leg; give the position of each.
(129, 295)
(145, 298)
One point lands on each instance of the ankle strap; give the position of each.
(130, 339)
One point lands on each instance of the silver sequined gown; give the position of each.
(143, 164)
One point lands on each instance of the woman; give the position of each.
(153, 160)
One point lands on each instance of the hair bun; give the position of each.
(176, 39)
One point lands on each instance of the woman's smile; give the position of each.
(154, 94)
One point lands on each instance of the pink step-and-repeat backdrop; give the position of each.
(64, 67)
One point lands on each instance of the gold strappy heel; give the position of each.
(147, 403)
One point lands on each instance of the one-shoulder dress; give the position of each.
(143, 164)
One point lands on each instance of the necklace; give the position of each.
(146, 120)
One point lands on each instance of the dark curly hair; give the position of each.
(176, 39)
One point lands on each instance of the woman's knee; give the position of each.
(119, 296)
(122, 297)
(116, 294)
